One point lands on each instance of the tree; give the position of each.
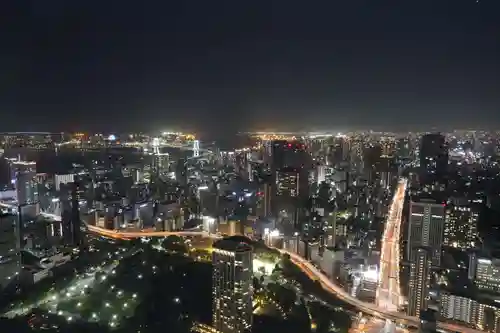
(174, 243)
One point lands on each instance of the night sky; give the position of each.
(221, 66)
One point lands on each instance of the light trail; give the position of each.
(389, 289)
(307, 267)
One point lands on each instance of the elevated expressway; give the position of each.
(308, 268)
(389, 291)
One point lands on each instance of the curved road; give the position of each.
(309, 269)
(305, 265)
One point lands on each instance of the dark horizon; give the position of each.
(228, 66)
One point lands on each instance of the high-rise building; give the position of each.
(71, 220)
(10, 257)
(433, 162)
(288, 154)
(338, 153)
(160, 164)
(320, 173)
(285, 202)
(388, 145)
(264, 200)
(385, 171)
(420, 274)
(63, 179)
(232, 291)
(485, 273)
(425, 228)
(470, 308)
(287, 182)
(25, 180)
(403, 148)
(460, 228)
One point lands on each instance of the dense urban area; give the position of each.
(300, 232)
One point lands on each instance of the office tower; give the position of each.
(264, 200)
(10, 245)
(71, 217)
(66, 222)
(287, 182)
(425, 228)
(371, 156)
(331, 228)
(288, 154)
(232, 285)
(384, 171)
(320, 173)
(160, 164)
(460, 228)
(471, 272)
(338, 152)
(433, 162)
(403, 148)
(181, 172)
(285, 202)
(388, 145)
(379, 167)
(24, 174)
(420, 274)
(485, 273)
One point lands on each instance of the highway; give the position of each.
(306, 266)
(309, 269)
(389, 290)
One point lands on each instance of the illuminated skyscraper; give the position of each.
(426, 226)
(338, 151)
(24, 174)
(420, 274)
(433, 162)
(76, 238)
(285, 203)
(232, 285)
(287, 182)
(288, 154)
(388, 145)
(10, 255)
(460, 229)
(264, 200)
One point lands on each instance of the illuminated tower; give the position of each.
(426, 228)
(196, 148)
(156, 146)
(232, 262)
(420, 273)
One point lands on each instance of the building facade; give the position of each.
(426, 224)
(420, 273)
(232, 262)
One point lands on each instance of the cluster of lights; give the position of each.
(393, 225)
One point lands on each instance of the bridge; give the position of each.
(152, 146)
(307, 267)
